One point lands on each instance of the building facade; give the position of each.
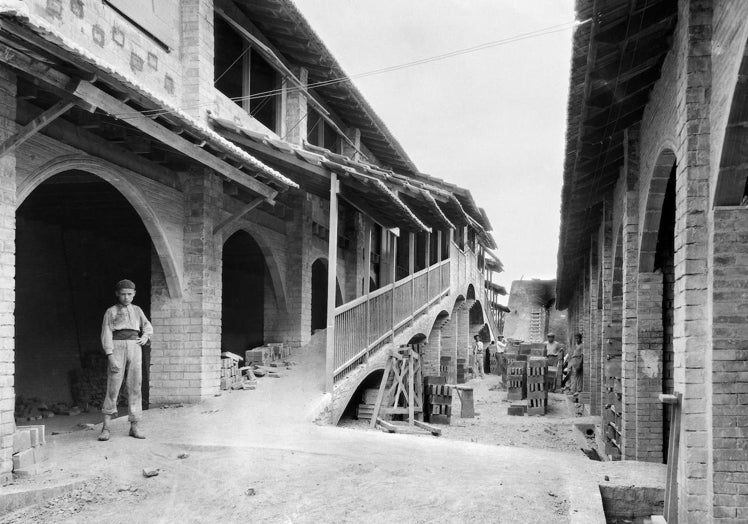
(652, 264)
(210, 152)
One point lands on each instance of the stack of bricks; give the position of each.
(444, 364)
(278, 351)
(230, 374)
(29, 450)
(365, 410)
(516, 380)
(537, 392)
(260, 356)
(461, 370)
(438, 400)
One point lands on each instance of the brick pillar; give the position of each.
(692, 337)
(593, 364)
(605, 254)
(299, 271)
(7, 272)
(296, 121)
(464, 342)
(586, 330)
(729, 374)
(630, 252)
(197, 56)
(433, 352)
(649, 368)
(186, 350)
(449, 346)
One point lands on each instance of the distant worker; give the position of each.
(487, 356)
(576, 367)
(555, 354)
(478, 355)
(123, 333)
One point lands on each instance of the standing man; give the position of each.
(478, 355)
(555, 353)
(123, 333)
(576, 367)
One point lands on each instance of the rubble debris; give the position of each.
(183, 455)
(151, 472)
(251, 492)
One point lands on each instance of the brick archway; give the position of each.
(114, 176)
(733, 177)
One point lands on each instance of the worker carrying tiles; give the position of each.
(124, 331)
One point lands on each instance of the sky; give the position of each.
(492, 121)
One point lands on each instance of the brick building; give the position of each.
(532, 314)
(209, 152)
(651, 262)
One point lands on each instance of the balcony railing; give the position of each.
(364, 325)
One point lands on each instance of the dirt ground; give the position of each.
(254, 456)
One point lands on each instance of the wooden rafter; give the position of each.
(233, 219)
(36, 125)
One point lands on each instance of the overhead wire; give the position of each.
(348, 78)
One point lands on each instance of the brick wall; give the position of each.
(729, 372)
(7, 273)
(197, 71)
(649, 368)
(432, 353)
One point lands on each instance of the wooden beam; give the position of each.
(111, 105)
(233, 219)
(332, 272)
(36, 125)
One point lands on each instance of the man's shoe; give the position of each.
(104, 435)
(135, 432)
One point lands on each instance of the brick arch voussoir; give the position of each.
(653, 208)
(114, 176)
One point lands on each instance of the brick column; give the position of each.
(586, 330)
(433, 352)
(186, 350)
(630, 252)
(692, 334)
(593, 364)
(449, 346)
(729, 363)
(197, 56)
(605, 246)
(649, 368)
(7, 273)
(295, 124)
(299, 271)
(464, 342)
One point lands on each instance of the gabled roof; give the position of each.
(617, 56)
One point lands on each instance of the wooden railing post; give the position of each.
(332, 263)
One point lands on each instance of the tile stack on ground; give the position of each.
(537, 392)
(260, 356)
(516, 380)
(438, 400)
(461, 370)
(29, 450)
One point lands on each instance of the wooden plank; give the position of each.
(233, 219)
(36, 125)
(113, 106)
(428, 427)
(411, 394)
(380, 395)
(671, 484)
(332, 272)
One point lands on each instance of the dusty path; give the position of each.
(254, 458)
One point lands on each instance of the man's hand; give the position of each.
(142, 341)
(113, 367)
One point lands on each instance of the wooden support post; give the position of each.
(36, 125)
(411, 393)
(233, 219)
(367, 281)
(332, 263)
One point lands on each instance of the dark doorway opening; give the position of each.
(76, 237)
(319, 294)
(243, 303)
(664, 261)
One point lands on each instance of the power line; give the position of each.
(347, 78)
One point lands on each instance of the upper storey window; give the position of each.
(320, 133)
(243, 75)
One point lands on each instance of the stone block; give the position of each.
(21, 440)
(24, 459)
